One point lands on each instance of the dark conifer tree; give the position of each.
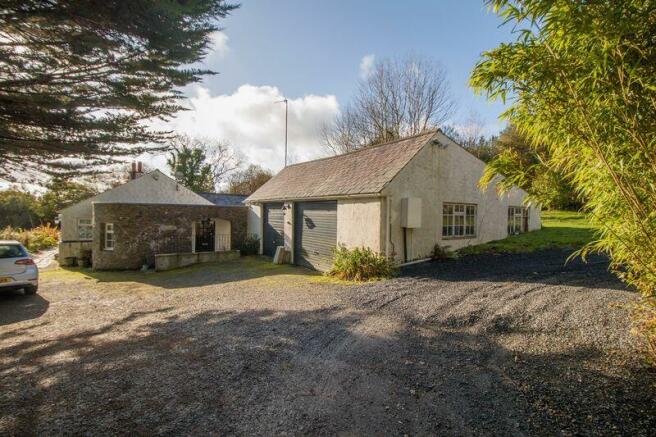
(78, 78)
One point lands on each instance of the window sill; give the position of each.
(109, 250)
(460, 238)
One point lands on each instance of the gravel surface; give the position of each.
(486, 345)
(45, 258)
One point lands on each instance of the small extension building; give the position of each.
(152, 220)
(399, 198)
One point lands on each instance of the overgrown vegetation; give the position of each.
(361, 264)
(442, 253)
(559, 229)
(644, 316)
(250, 245)
(201, 164)
(35, 239)
(19, 209)
(24, 210)
(526, 166)
(248, 180)
(582, 79)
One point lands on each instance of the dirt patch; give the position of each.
(491, 345)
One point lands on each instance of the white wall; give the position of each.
(222, 230)
(448, 173)
(69, 217)
(154, 188)
(359, 223)
(254, 221)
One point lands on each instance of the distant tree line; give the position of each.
(398, 98)
(512, 156)
(205, 165)
(25, 210)
(21, 209)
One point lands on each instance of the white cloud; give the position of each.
(366, 65)
(218, 46)
(254, 124)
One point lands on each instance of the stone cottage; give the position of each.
(152, 220)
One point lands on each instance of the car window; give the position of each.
(11, 251)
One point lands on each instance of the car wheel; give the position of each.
(31, 289)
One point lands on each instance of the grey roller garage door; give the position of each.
(315, 234)
(273, 227)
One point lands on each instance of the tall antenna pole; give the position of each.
(285, 101)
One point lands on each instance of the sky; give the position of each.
(313, 54)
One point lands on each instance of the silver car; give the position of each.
(17, 268)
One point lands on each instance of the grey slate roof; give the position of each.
(224, 199)
(365, 171)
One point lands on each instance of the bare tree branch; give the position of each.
(399, 98)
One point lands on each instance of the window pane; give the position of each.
(458, 220)
(109, 236)
(11, 251)
(85, 229)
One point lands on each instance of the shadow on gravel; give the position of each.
(16, 307)
(306, 372)
(552, 266)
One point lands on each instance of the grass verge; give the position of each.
(560, 229)
(245, 268)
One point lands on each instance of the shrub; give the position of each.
(35, 239)
(250, 245)
(361, 264)
(644, 326)
(442, 253)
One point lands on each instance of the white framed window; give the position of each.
(517, 219)
(109, 236)
(459, 220)
(84, 229)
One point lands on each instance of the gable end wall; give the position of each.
(451, 174)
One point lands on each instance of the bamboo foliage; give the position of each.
(581, 78)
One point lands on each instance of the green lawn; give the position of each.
(559, 229)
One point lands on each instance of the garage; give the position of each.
(273, 228)
(315, 234)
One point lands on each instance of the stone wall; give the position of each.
(141, 231)
(172, 261)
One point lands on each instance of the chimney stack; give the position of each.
(137, 170)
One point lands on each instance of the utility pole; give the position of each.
(285, 101)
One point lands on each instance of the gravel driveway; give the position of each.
(505, 345)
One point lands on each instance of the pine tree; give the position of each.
(190, 168)
(78, 79)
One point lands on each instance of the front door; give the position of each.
(205, 236)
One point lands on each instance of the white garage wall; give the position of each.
(448, 173)
(359, 223)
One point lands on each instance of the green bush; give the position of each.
(250, 245)
(361, 264)
(35, 239)
(442, 253)
(644, 326)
